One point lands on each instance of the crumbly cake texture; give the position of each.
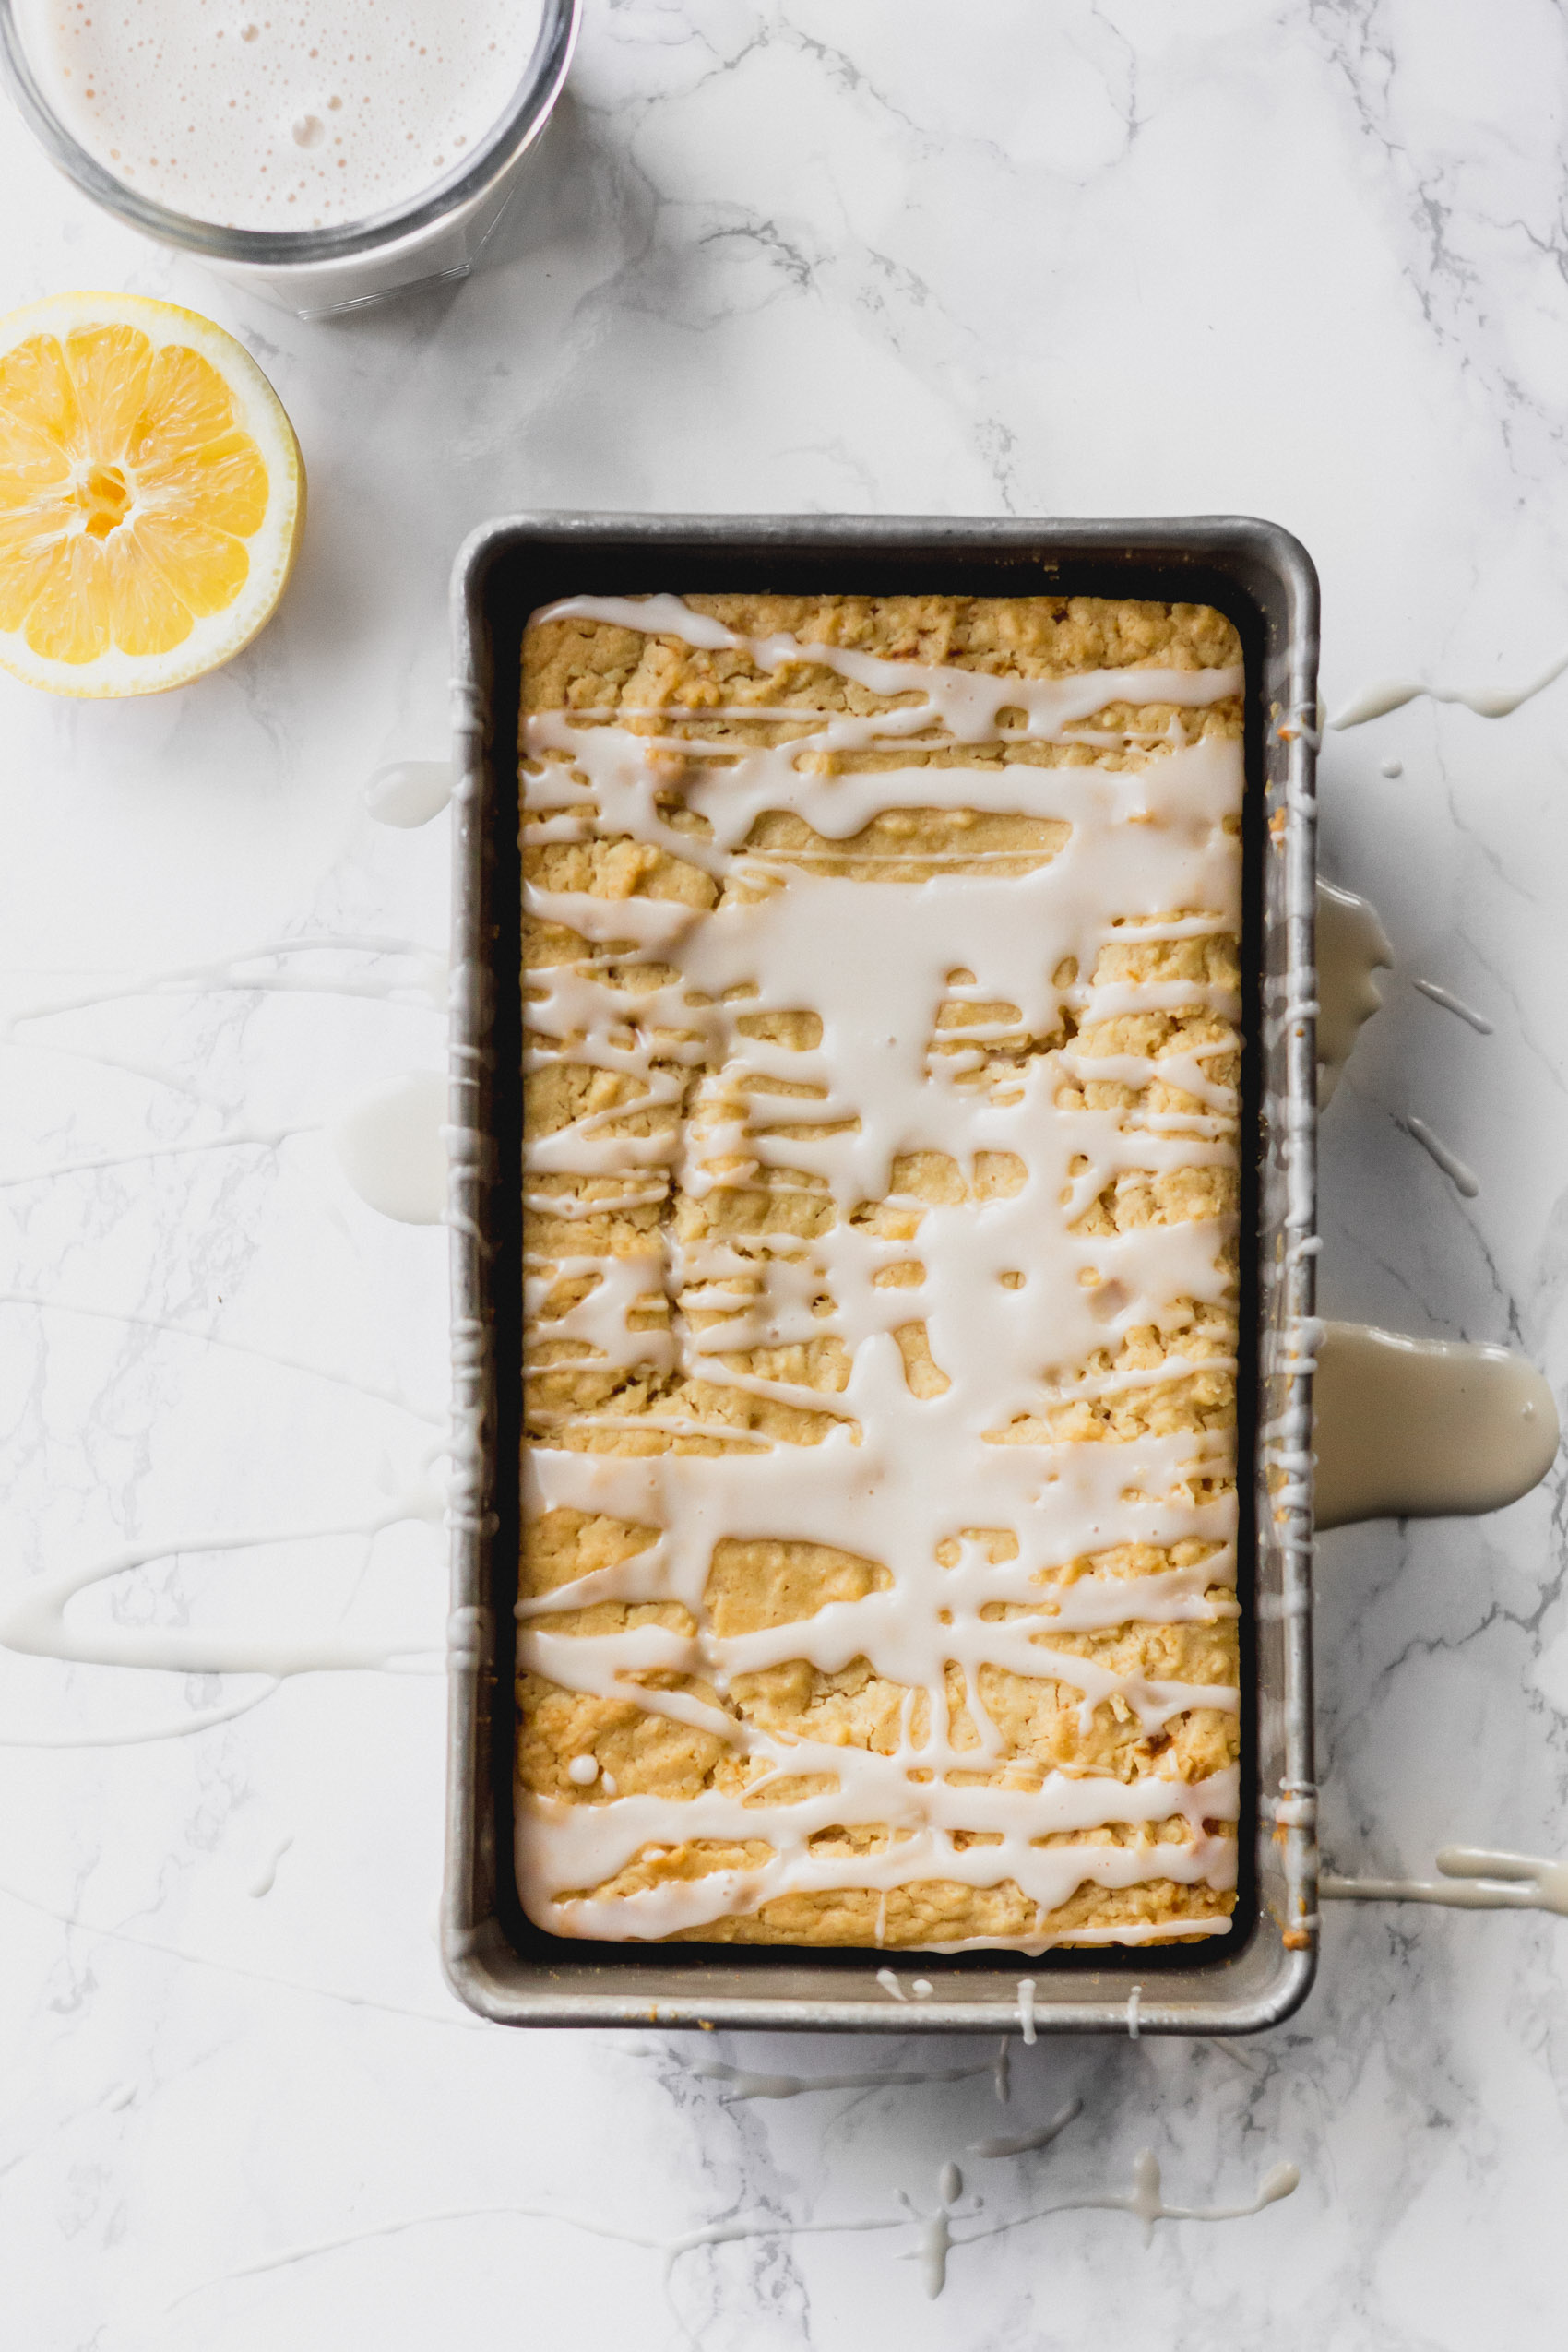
(650, 1225)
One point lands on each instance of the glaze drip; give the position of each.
(1416, 1429)
(1352, 947)
(391, 1145)
(1474, 1879)
(1385, 694)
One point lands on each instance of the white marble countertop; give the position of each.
(1306, 261)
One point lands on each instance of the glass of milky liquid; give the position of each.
(325, 152)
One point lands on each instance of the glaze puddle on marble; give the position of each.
(391, 1147)
(1385, 694)
(1351, 946)
(1420, 1429)
(409, 792)
(144, 1734)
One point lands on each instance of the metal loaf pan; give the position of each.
(496, 1959)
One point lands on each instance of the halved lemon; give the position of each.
(151, 495)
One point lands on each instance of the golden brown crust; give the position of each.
(589, 665)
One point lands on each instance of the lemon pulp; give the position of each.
(131, 498)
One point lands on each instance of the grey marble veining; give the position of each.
(1307, 260)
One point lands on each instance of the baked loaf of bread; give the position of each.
(881, 1010)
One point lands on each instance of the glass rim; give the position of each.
(520, 122)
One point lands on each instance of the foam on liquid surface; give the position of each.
(286, 118)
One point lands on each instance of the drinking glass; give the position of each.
(314, 271)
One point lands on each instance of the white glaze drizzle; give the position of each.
(1145, 2200)
(149, 1735)
(1143, 853)
(968, 703)
(151, 1073)
(1474, 1878)
(35, 1622)
(742, 2084)
(1375, 701)
(265, 1878)
(1352, 947)
(228, 972)
(235, 1139)
(1457, 1004)
(1027, 1990)
(1464, 1180)
(936, 2231)
(1001, 2070)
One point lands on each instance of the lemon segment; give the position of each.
(151, 495)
